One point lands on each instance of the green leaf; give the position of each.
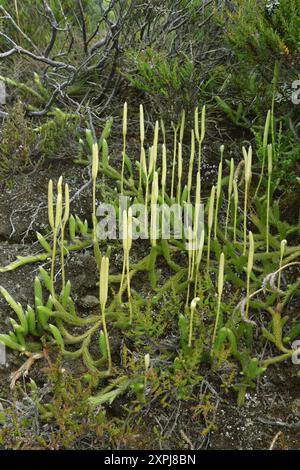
(104, 153)
(38, 293)
(43, 242)
(183, 324)
(46, 279)
(128, 164)
(89, 138)
(72, 228)
(226, 333)
(43, 314)
(106, 132)
(102, 345)
(17, 307)
(7, 341)
(31, 321)
(57, 336)
(65, 294)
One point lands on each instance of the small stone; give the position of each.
(89, 301)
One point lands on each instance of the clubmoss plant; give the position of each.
(190, 237)
(63, 227)
(264, 150)
(193, 309)
(218, 191)
(179, 172)
(191, 166)
(198, 261)
(283, 245)
(163, 131)
(52, 225)
(127, 244)
(54, 222)
(144, 171)
(210, 223)
(236, 205)
(249, 271)
(182, 126)
(200, 138)
(195, 238)
(175, 145)
(196, 234)
(220, 292)
(154, 199)
(155, 145)
(147, 366)
(124, 145)
(270, 169)
(163, 184)
(230, 188)
(95, 169)
(103, 295)
(248, 176)
(147, 169)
